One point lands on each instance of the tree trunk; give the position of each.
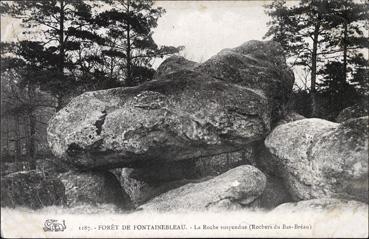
(128, 50)
(61, 40)
(7, 135)
(31, 142)
(345, 51)
(314, 71)
(59, 103)
(17, 140)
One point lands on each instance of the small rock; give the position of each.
(93, 188)
(234, 189)
(142, 184)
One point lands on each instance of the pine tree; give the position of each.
(347, 21)
(316, 31)
(129, 47)
(60, 29)
(303, 29)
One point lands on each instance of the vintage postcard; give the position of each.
(174, 119)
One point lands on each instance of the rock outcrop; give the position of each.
(234, 189)
(94, 188)
(187, 113)
(31, 189)
(318, 158)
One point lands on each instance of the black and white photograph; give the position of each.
(184, 119)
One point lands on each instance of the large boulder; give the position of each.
(355, 111)
(93, 188)
(260, 65)
(188, 112)
(234, 189)
(142, 184)
(189, 116)
(318, 158)
(31, 189)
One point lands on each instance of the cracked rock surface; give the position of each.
(186, 113)
(233, 189)
(318, 158)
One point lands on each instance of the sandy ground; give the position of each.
(105, 221)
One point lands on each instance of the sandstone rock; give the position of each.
(263, 158)
(142, 184)
(189, 116)
(93, 188)
(31, 189)
(173, 64)
(258, 65)
(355, 111)
(332, 204)
(318, 158)
(234, 189)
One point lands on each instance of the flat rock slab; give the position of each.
(234, 189)
(190, 110)
(186, 117)
(318, 158)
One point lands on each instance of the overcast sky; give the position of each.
(203, 27)
(206, 27)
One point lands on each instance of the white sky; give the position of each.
(203, 27)
(206, 27)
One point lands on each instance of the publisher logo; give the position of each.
(52, 225)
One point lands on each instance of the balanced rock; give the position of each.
(234, 189)
(31, 189)
(186, 113)
(188, 117)
(94, 188)
(318, 158)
